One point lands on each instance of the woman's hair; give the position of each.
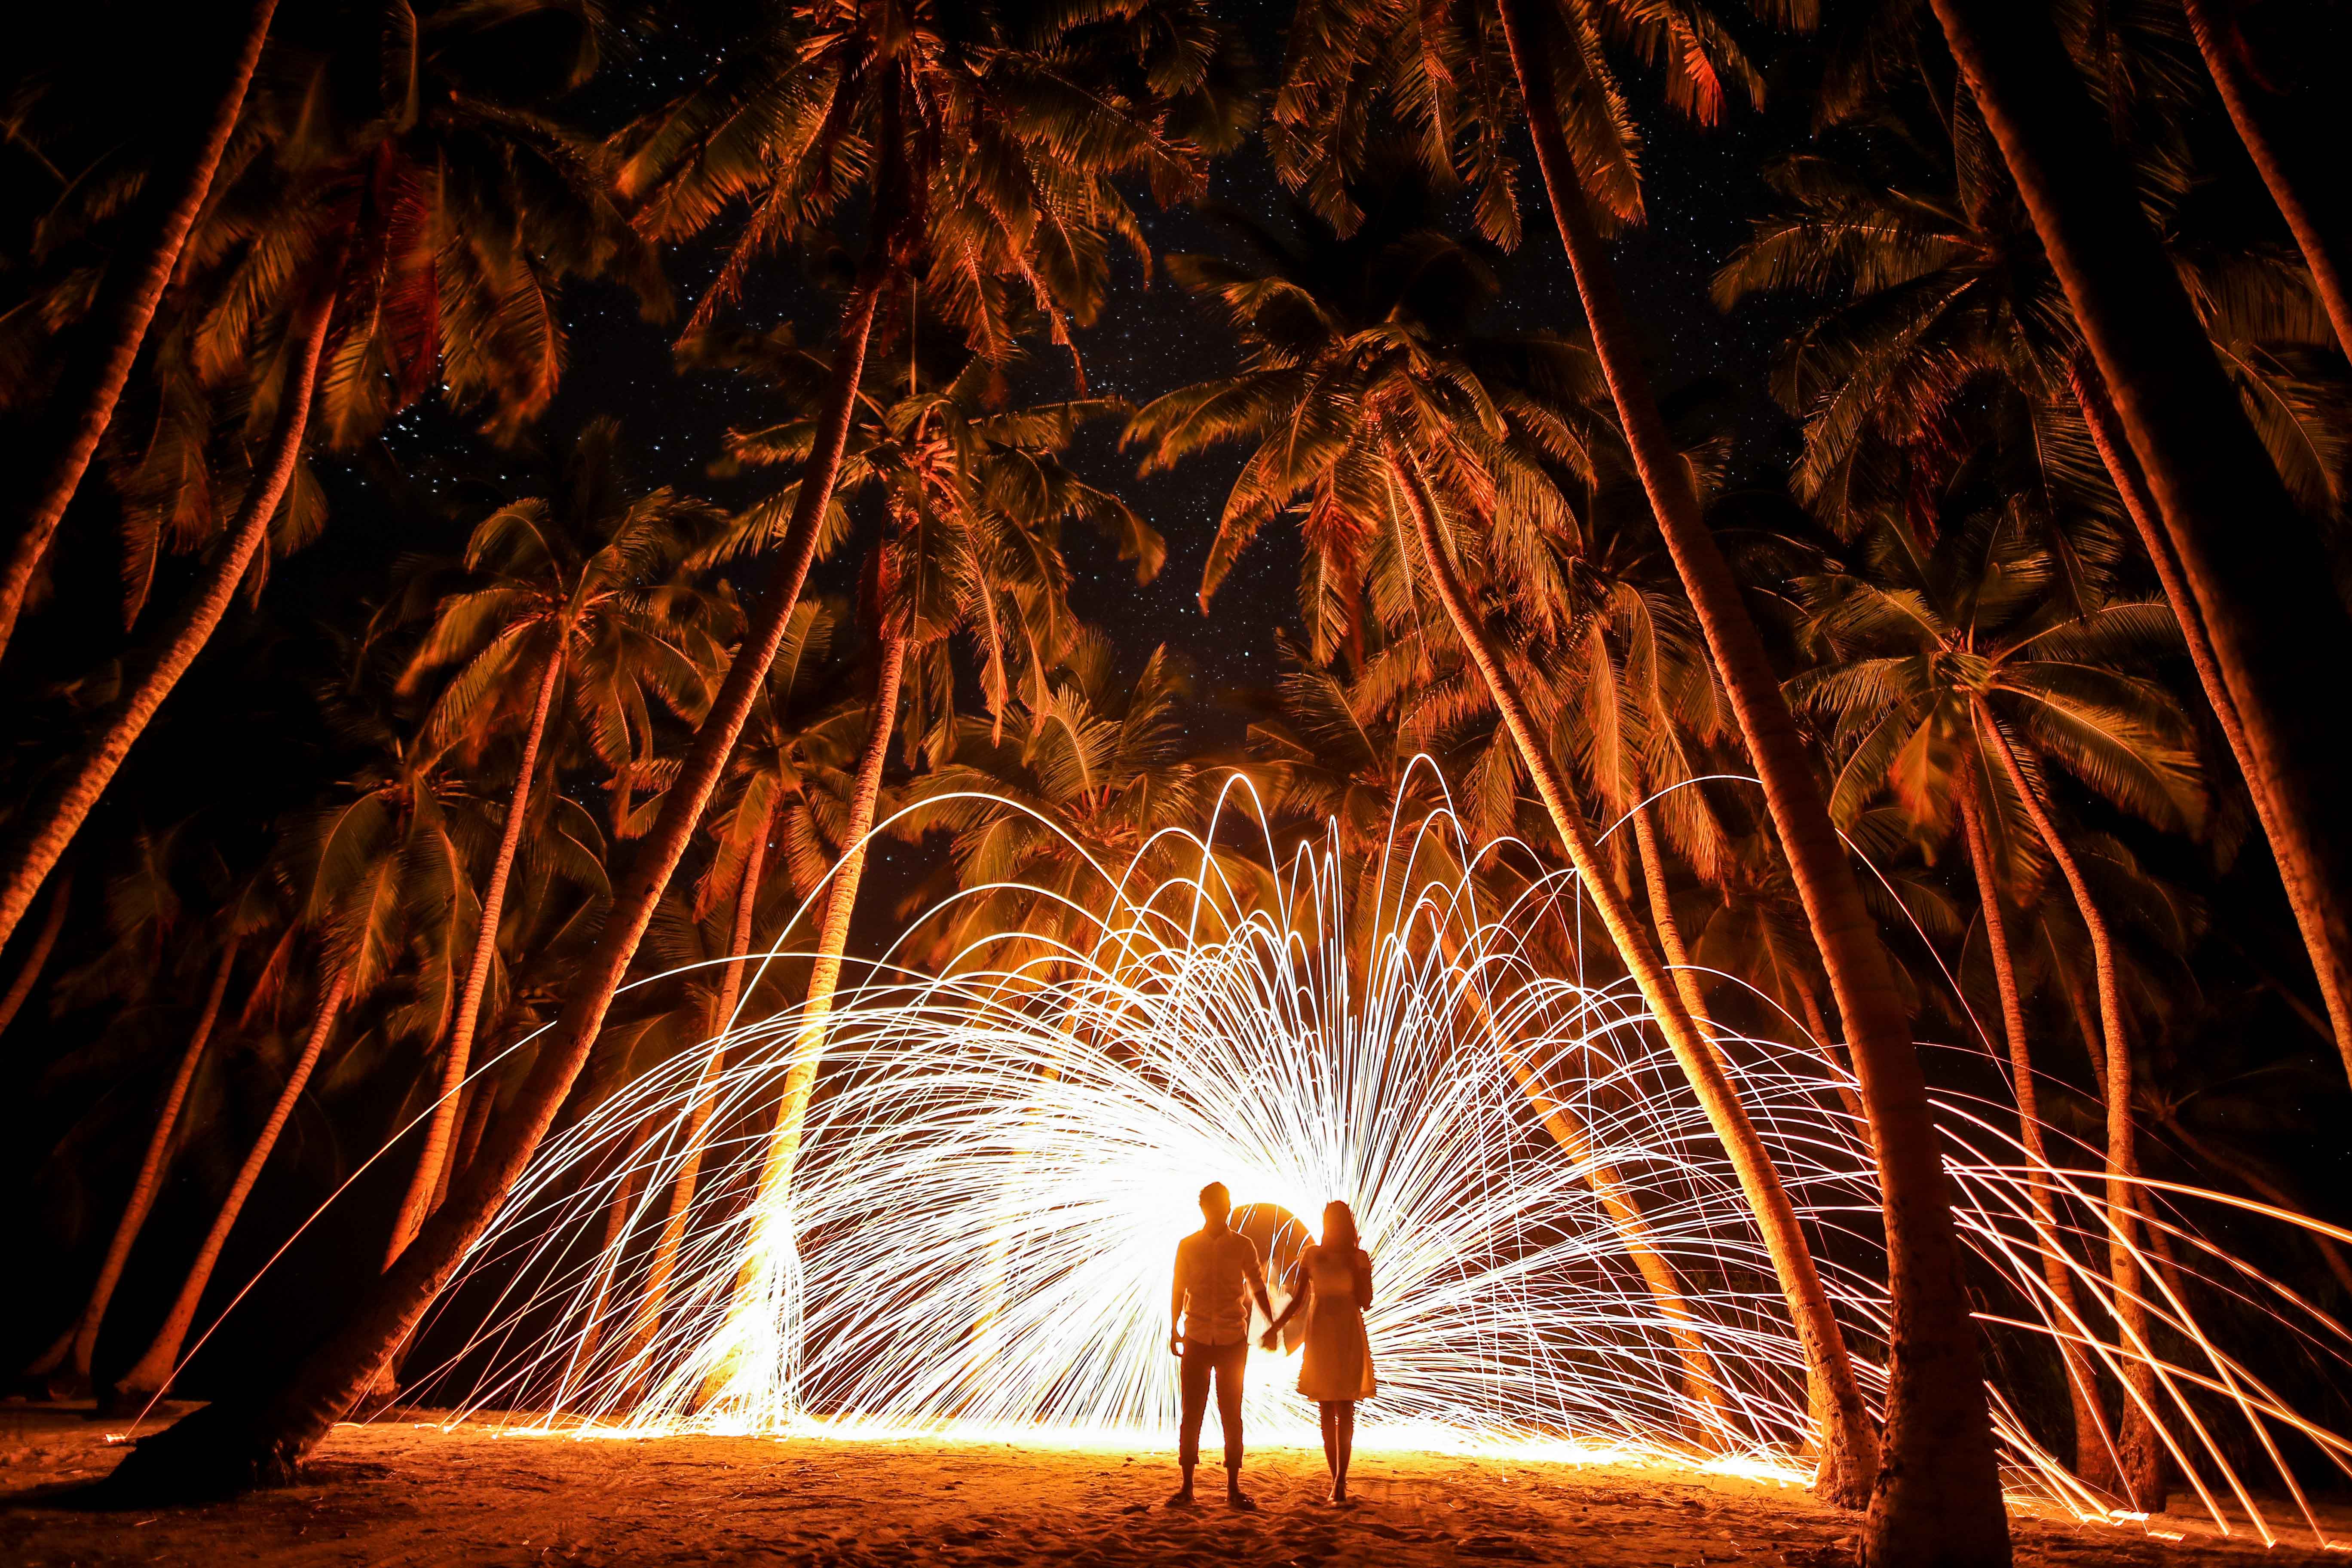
(1340, 1226)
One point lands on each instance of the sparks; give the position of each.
(975, 1242)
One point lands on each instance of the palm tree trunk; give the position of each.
(2140, 1454)
(37, 957)
(235, 1443)
(2329, 964)
(1849, 1443)
(2252, 567)
(645, 1318)
(468, 1098)
(133, 288)
(2323, 240)
(438, 1134)
(428, 1181)
(1939, 1500)
(73, 1353)
(2082, 1010)
(2094, 1452)
(1702, 1385)
(1701, 1382)
(1817, 1024)
(483, 1105)
(152, 1373)
(59, 816)
(996, 1279)
(1661, 916)
(769, 1198)
(611, 1247)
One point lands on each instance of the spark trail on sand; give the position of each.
(1001, 1157)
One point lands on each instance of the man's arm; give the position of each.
(1176, 1305)
(1256, 1278)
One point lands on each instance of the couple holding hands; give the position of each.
(1218, 1275)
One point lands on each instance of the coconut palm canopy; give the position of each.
(539, 536)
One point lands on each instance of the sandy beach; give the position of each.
(402, 1491)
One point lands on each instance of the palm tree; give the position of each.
(126, 302)
(1935, 292)
(974, 496)
(1075, 785)
(573, 604)
(65, 1367)
(1945, 663)
(2253, 571)
(2312, 207)
(986, 155)
(2093, 1455)
(1469, 74)
(372, 216)
(783, 793)
(1336, 768)
(1364, 395)
(36, 957)
(376, 877)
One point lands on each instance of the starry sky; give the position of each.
(1703, 188)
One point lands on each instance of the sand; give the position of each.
(402, 1492)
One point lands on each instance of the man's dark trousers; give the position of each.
(1225, 1363)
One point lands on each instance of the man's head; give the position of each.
(1216, 1204)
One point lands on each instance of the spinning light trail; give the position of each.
(1001, 1160)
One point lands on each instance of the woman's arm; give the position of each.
(1301, 1285)
(1363, 1278)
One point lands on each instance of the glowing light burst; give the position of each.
(1000, 1160)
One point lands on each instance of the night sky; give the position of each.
(1703, 188)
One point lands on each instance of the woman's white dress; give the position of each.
(1338, 1360)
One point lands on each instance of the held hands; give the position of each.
(1270, 1340)
(1175, 1344)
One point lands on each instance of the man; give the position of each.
(1217, 1273)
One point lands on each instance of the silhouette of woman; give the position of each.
(1333, 1280)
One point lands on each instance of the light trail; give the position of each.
(1000, 1160)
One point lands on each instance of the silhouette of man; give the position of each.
(1217, 1273)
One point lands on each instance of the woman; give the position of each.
(1333, 1280)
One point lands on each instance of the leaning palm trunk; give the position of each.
(1817, 1026)
(37, 957)
(2253, 570)
(440, 1132)
(1661, 916)
(996, 1277)
(654, 1295)
(59, 814)
(2139, 1453)
(770, 1217)
(1939, 1500)
(1849, 1443)
(72, 1353)
(133, 287)
(2093, 1450)
(1702, 1384)
(484, 1105)
(235, 1443)
(2326, 244)
(609, 1250)
(152, 1375)
(2288, 849)
(429, 1180)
